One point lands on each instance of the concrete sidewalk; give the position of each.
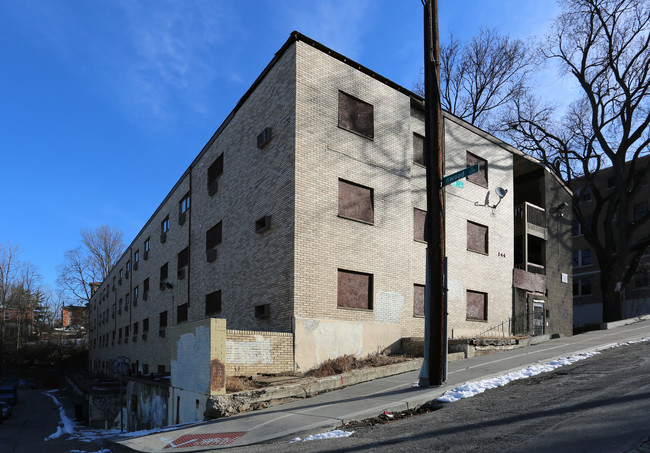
(395, 393)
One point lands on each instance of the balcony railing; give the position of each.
(532, 268)
(532, 217)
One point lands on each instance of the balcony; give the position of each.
(532, 219)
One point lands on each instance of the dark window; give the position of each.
(145, 285)
(164, 225)
(356, 202)
(145, 325)
(145, 368)
(477, 306)
(418, 149)
(418, 300)
(477, 237)
(354, 290)
(213, 236)
(163, 319)
(263, 224)
(480, 177)
(136, 256)
(147, 245)
(581, 257)
(184, 204)
(584, 193)
(213, 303)
(419, 224)
(581, 286)
(640, 209)
(164, 272)
(135, 328)
(356, 115)
(136, 292)
(214, 171)
(181, 313)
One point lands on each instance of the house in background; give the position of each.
(74, 316)
(301, 224)
(587, 298)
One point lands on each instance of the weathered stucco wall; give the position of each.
(198, 356)
(318, 340)
(250, 352)
(146, 404)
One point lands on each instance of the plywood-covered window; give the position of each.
(419, 222)
(477, 237)
(480, 177)
(477, 306)
(354, 290)
(418, 149)
(356, 202)
(356, 115)
(213, 236)
(213, 303)
(418, 300)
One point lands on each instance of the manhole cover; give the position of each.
(204, 440)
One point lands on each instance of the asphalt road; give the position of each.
(601, 404)
(35, 417)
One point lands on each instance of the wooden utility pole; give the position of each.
(435, 228)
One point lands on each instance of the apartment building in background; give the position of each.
(587, 295)
(301, 222)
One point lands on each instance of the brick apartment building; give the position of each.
(303, 217)
(74, 316)
(587, 298)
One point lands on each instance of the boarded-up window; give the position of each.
(354, 290)
(183, 258)
(419, 221)
(356, 115)
(418, 149)
(356, 202)
(215, 170)
(213, 237)
(476, 306)
(418, 300)
(213, 303)
(181, 313)
(480, 177)
(477, 237)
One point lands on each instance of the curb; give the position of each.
(220, 406)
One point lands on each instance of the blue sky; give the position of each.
(104, 104)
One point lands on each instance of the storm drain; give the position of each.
(204, 440)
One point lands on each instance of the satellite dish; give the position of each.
(501, 192)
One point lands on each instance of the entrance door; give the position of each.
(538, 317)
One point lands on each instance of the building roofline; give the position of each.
(293, 38)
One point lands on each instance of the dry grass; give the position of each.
(350, 363)
(329, 368)
(240, 383)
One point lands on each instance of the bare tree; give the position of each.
(604, 46)
(90, 262)
(480, 77)
(9, 268)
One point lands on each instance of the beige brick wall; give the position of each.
(249, 352)
(491, 273)
(251, 269)
(325, 153)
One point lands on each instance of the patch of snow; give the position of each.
(66, 426)
(328, 435)
(470, 389)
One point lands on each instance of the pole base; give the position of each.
(423, 382)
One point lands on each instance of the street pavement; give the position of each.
(393, 394)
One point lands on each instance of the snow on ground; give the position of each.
(470, 389)
(328, 435)
(66, 426)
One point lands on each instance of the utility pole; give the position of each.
(435, 311)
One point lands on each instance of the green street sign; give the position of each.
(446, 180)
